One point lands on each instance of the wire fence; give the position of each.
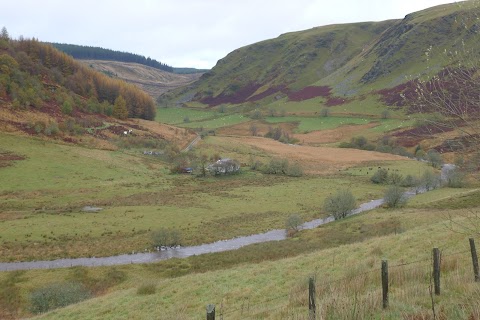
(360, 293)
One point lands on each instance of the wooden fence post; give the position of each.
(436, 270)
(311, 298)
(385, 284)
(473, 250)
(211, 312)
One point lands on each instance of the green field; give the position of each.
(41, 218)
(43, 200)
(191, 118)
(178, 115)
(308, 124)
(219, 122)
(272, 277)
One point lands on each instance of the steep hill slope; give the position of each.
(289, 62)
(339, 60)
(46, 93)
(151, 80)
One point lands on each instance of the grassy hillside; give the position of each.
(291, 61)
(345, 60)
(367, 71)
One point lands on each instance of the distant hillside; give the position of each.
(35, 75)
(336, 62)
(153, 81)
(97, 53)
(189, 70)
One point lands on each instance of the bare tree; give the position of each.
(452, 92)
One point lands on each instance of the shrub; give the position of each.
(67, 107)
(360, 142)
(409, 181)
(429, 180)
(146, 289)
(395, 178)
(294, 170)
(434, 158)
(293, 222)
(57, 295)
(325, 112)
(256, 115)
(385, 114)
(51, 129)
(166, 238)
(394, 197)
(380, 177)
(39, 127)
(340, 204)
(276, 166)
(455, 178)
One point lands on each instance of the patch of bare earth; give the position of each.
(315, 160)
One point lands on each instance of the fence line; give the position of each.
(435, 263)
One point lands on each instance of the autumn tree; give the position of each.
(120, 108)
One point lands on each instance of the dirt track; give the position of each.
(317, 160)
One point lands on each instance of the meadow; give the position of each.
(42, 202)
(270, 280)
(42, 218)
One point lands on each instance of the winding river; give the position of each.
(184, 252)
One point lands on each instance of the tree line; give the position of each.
(34, 74)
(97, 53)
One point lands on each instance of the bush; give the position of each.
(57, 295)
(455, 178)
(146, 289)
(395, 197)
(51, 129)
(434, 158)
(380, 177)
(325, 112)
(276, 166)
(409, 181)
(293, 222)
(294, 170)
(340, 204)
(256, 115)
(429, 180)
(166, 238)
(395, 178)
(67, 107)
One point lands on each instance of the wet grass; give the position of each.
(138, 196)
(348, 250)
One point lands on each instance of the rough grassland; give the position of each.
(315, 159)
(42, 201)
(347, 279)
